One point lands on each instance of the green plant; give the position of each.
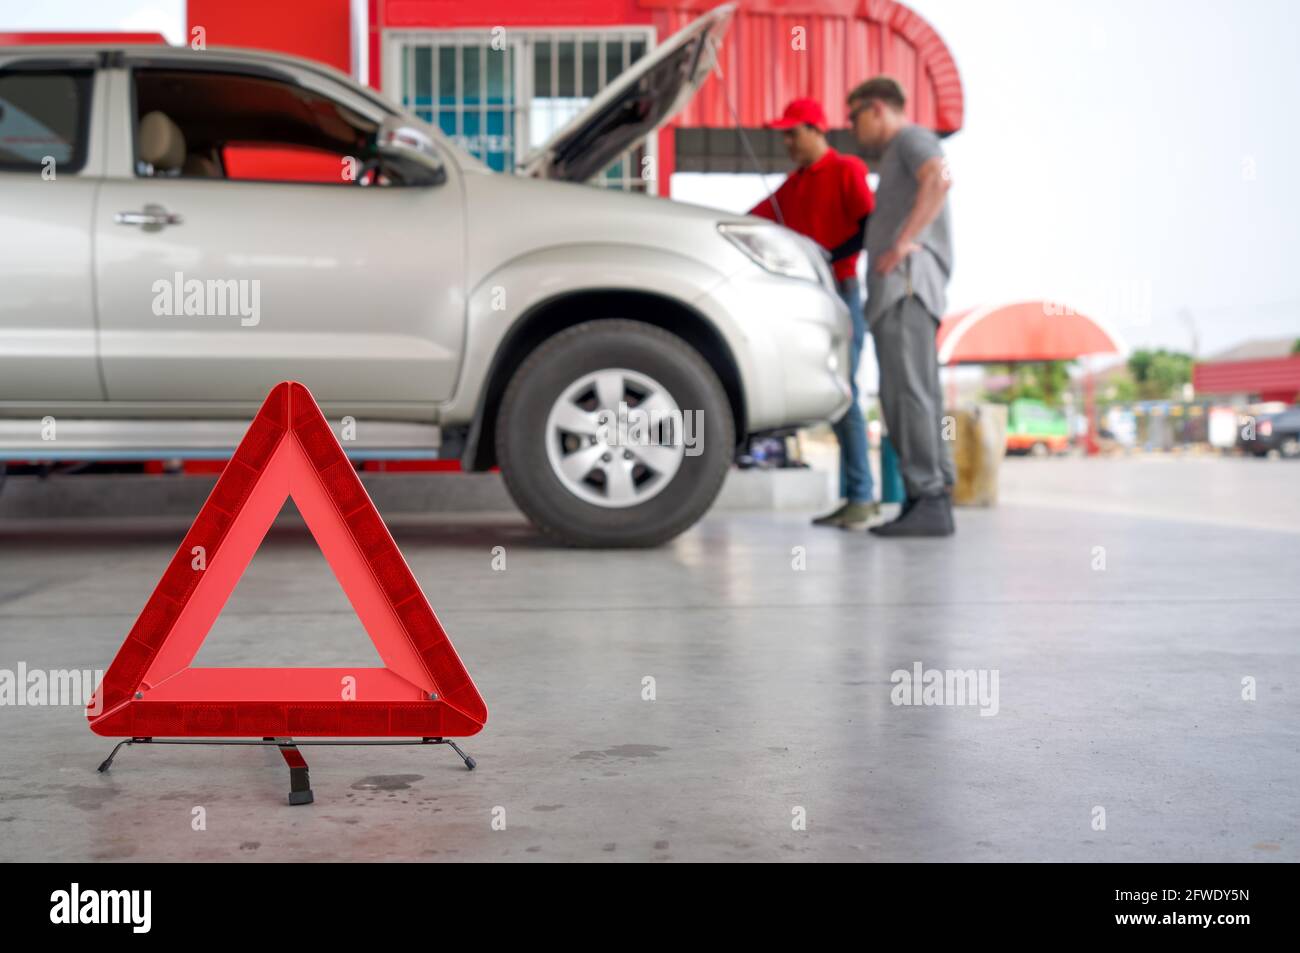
(1159, 374)
(1047, 381)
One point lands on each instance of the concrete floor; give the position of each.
(1119, 688)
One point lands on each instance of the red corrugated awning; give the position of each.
(1276, 378)
(778, 50)
(1023, 331)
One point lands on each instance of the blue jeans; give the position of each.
(851, 429)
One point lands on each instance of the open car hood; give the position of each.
(639, 101)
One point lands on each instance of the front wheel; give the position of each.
(614, 433)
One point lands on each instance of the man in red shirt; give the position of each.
(827, 199)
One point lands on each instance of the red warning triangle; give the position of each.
(150, 690)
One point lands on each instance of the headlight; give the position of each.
(778, 250)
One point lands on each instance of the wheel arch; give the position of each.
(549, 317)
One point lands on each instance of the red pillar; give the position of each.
(1090, 444)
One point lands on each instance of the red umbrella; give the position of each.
(1026, 331)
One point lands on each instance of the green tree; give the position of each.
(1159, 374)
(1038, 380)
(1121, 390)
(1295, 346)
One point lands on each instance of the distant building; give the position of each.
(1258, 349)
(1260, 370)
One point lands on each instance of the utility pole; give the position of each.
(1185, 315)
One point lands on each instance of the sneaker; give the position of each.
(850, 516)
(831, 519)
(928, 516)
(858, 515)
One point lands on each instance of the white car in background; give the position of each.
(444, 307)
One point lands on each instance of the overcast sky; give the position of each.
(1129, 156)
(1111, 145)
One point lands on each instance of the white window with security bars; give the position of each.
(499, 92)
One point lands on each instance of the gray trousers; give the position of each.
(911, 398)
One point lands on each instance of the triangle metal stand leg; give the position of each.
(299, 776)
(300, 791)
(470, 763)
(108, 762)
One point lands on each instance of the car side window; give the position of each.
(198, 124)
(44, 120)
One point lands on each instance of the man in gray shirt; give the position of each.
(909, 249)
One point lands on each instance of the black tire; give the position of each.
(555, 365)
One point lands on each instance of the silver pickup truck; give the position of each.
(163, 264)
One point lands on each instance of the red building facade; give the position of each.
(1265, 379)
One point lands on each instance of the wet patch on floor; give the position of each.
(621, 751)
(114, 852)
(387, 782)
(89, 798)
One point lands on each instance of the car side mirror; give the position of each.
(408, 154)
(410, 170)
(396, 131)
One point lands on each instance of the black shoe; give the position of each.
(908, 503)
(927, 516)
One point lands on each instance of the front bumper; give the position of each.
(791, 342)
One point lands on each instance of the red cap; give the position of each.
(801, 112)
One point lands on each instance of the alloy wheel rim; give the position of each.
(605, 458)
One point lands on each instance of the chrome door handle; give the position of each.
(152, 216)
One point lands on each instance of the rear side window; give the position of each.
(43, 119)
